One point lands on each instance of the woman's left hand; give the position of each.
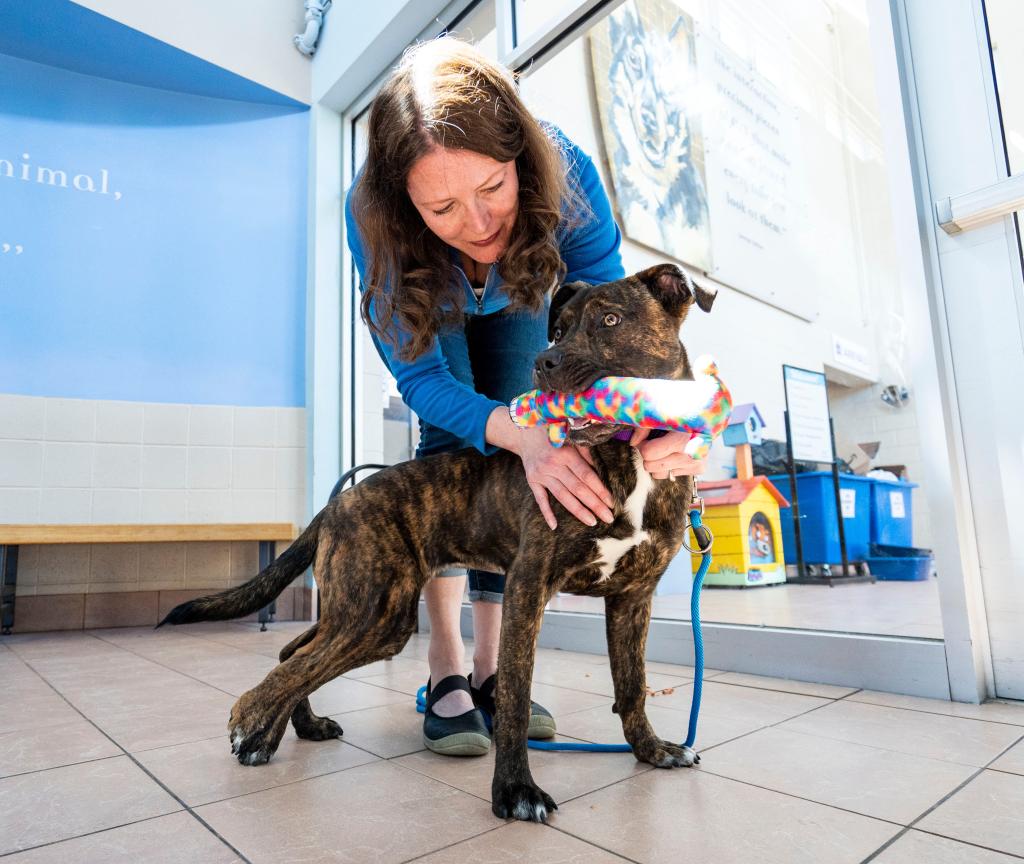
(663, 457)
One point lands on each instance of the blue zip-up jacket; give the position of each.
(591, 254)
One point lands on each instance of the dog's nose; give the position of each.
(548, 361)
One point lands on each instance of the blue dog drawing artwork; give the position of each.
(645, 73)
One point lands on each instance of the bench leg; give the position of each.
(9, 569)
(268, 552)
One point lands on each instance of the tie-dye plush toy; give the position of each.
(700, 407)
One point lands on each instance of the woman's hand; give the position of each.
(566, 472)
(664, 457)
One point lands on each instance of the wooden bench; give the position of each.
(267, 534)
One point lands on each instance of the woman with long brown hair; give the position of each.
(466, 213)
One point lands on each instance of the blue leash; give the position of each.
(698, 651)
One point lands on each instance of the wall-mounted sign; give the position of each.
(851, 355)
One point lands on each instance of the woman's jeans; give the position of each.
(494, 355)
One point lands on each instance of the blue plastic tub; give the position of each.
(891, 512)
(818, 521)
(914, 569)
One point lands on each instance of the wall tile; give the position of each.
(253, 505)
(28, 564)
(162, 563)
(245, 562)
(21, 463)
(164, 505)
(210, 426)
(114, 563)
(253, 468)
(209, 467)
(67, 464)
(117, 466)
(60, 612)
(22, 417)
(291, 506)
(255, 427)
(165, 424)
(291, 427)
(291, 468)
(19, 506)
(119, 422)
(70, 420)
(209, 505)
(129, 609)
(58, 564)
(163, 467)
(62, 588)
(65, 506)
(116, 505)
(207, 563)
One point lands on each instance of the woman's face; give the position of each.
(468, 200)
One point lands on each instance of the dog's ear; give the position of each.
(675, 290)
(562, 295)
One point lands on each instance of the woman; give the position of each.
(465, 215)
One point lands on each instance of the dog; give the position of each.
(373, 547)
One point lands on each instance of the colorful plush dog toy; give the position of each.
(700, 407)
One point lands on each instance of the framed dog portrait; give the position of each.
(645, 74)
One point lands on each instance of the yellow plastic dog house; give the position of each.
(743, 514)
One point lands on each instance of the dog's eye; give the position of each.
(557, 334)
(611, 319)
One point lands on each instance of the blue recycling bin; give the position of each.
(891, 512)
(819, 525)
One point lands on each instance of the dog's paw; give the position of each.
(665, 754)
(251, 748)
(317, 729)
(525, 801)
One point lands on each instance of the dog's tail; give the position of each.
(258, 591)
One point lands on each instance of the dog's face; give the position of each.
(627, 328)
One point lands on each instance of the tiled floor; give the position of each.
(885, 608)
(113, 748)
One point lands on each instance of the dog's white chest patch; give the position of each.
(610, 550)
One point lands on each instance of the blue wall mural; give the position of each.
(152, 243)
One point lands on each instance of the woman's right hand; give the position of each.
(566, 472)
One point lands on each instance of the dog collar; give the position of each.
(626, 434)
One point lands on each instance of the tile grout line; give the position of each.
(940, 802)
(138, 765)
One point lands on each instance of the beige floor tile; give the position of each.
(386, 731)
(915, 847)
(592, 678)
(65, 802)
(52, 746)
(804, 688)
(879, 783)
(563, 776)
(344, 694)
(952, 739)
(402, 679)
(34, 705)
(518, 842)
(727, 712)
(664, 817)
(205, 771)
(560, 701)
(988, 811)
(395, 664)
(380, 812)
(994, 712)
(1012, 761)
(725, 700)
(175, 839)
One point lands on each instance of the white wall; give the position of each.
(252, 38)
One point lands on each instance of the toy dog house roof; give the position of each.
(718, 493)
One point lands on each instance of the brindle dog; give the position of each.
(374, 547)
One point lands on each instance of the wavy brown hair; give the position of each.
(445, 93)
